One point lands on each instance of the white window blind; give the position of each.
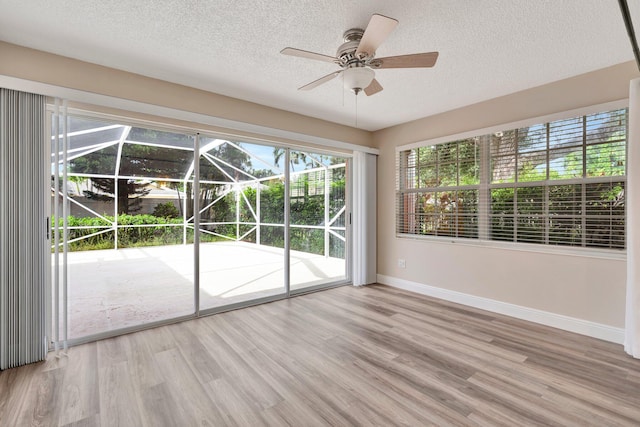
(440, 189)
(558, 183)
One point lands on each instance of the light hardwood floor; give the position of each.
(347, 356)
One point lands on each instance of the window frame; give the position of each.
(484, 215)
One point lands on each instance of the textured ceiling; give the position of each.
(488, 48)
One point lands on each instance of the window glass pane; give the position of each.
(89, 134)
(531, 139)
(467, 213)
(531, 221)
(79, 125)
(307, 198)
(531, 229)
(565, 231)
(337, 245)
(427, 210)
(316, 190)
(428, 176)
(217, 212)
(532, 153)
(409, 167)
(565, 200)
(87, 238)
(566, 133)
(272, 202)
(127, 195)
(113, 283)
(502, 201)
(427, 155)
(606, 159)
(502, 227)
(565, 163)
(407, 210)
(605, 198)
(502, 214)
(263, 161)
(309, 240)
(605, 211)
(532, 166)
(154, 162)
(447, 152)
(603, 233)
(447, 174)
(337, 194)
(246, 205)
(99, 162)
(426, 224)
(469, 161)
(224, 161)
(503, 156)
(94, 138)
(447, 164)
(211, 172)
(606, 127)
(156, 137)
(530, 200)
(445, 208)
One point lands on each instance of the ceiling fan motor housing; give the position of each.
(346, 51)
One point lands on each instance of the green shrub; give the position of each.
(164, 227)
(166, 210)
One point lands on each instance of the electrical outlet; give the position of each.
(402, 263)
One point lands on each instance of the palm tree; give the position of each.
(77, 180)
(295, 157)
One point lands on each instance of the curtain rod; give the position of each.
(626, 16)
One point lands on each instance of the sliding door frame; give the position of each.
(59, 280)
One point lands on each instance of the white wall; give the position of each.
(580, 293)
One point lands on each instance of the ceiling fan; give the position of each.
(356, 57)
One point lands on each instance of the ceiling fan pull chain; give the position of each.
(356, 110)
(343, 91)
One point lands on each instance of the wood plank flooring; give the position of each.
(347, 356)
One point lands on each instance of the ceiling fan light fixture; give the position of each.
(357, 78)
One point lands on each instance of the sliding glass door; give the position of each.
(117, 194)
(318, 206)
(241, 199)
(152, 225)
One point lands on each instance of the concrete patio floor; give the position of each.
(114, 289)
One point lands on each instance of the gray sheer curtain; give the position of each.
(23, 228)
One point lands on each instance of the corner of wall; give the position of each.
(566, 323)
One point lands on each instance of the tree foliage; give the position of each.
(166, 210)
(129, 193)
(224, 170)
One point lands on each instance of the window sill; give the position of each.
(612, 254)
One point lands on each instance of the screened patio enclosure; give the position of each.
(126, 204)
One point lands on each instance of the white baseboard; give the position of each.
(571, 324)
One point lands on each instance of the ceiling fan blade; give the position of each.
(309, 55)
(376, 32)
(320, 81)
(373, 88)
(416, 60)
